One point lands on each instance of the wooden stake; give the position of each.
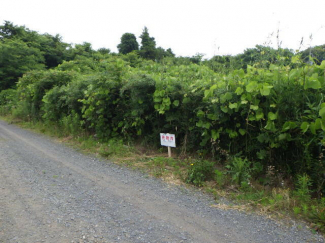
(169, 152)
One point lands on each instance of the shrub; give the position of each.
(219, 177)
(200, 171)
(239, 169)
(303, 185)
(8, 99)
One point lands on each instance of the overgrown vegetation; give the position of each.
(254, 123)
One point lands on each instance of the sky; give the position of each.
(188, 27)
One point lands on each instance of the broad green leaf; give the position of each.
(322, 112)
(304, 126)
(318, 124)
(265, 91)
(208, 93)
(212, 116)
(242, 131)
(214, 134)
(275, 145)
(261, 154)
(215, 100)
(312, 127)
(273, 67)
(231, 133)
(251, 117)
(166, 102)
(176, 102)
(293, 73)
(254, 107)
(295, 59)
(200, 113)
(224, 109)
(186, 100)
(239, 91)
(207, 125)
(323, 125)
(213, 87)
(270, 126)
(272, 116)
(251, 86)
(263, 138)
(313, 84)
(199, 124)
(225, 97)
(233, 106)
(157, 99)
(283, 136)
(249, 97)
(322, 65)
(228, 96)
(288, 125)
(244, 102)
(259, 114)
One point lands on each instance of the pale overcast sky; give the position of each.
(210, 27)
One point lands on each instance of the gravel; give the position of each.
(53, 193)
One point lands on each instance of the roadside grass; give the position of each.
(233, 180)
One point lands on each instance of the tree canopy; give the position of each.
(17, 58)
(314, 54)
(22, 50)
(148, 45)
(128, 44)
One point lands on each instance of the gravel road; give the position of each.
(52, 193)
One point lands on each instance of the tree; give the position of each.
(161, 53)
(9, 31)
(197, 58)
(314, 54)
(55, 50)
(17, 58)
(104, 51)
(263, 56)
(148, 45)
(52, 47)
(85, 50)
(128, 44)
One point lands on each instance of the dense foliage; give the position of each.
(264, 105)
(128, 44)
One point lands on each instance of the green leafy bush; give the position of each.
(8, 100)
(239, 169)
(220, 177)
(303, 185)
(270, 112)
(200, 171)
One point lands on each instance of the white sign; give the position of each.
(168, 140)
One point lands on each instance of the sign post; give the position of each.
(169, 141)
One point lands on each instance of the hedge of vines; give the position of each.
(274, 116)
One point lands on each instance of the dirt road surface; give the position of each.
(52, 193)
